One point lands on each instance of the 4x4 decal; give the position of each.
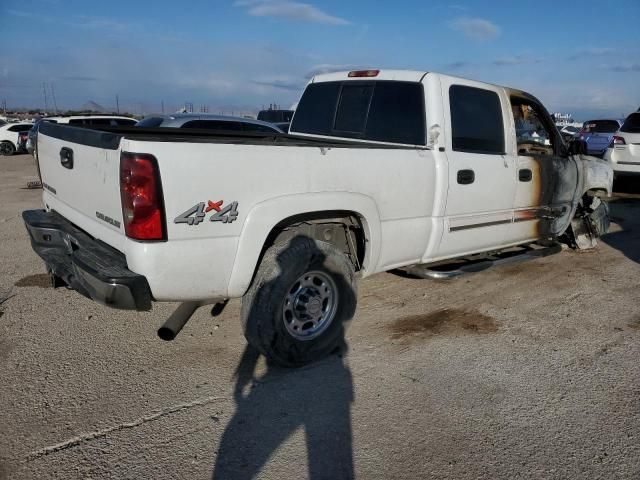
(196, 214)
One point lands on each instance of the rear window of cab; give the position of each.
(381, 111)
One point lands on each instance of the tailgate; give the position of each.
(81, 180)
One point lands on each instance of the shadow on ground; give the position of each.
(272, 406)
(625, 211)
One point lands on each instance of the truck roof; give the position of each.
(409, 76)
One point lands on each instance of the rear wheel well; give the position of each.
(343, 229)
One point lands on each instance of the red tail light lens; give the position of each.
(364, 73)
(141, 194)
(616, 140)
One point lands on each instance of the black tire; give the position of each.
(263, 315)
(7, 148)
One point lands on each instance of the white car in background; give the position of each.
(624, 149)
(10, 136)
(78, 121)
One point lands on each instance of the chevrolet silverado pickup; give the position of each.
(380, 170)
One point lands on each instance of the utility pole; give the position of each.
(117, 104)
(53, 95)
(44, 90)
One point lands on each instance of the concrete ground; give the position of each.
(524, 371)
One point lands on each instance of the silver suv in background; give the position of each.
(208, 122)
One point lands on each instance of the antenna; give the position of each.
(44, 91)
(117, 104)
(162, 105)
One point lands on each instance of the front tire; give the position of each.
(7, 148)
(300, 301)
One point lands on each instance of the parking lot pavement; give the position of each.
(524, 371)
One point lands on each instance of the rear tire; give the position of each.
(300, 301)
(7, 148)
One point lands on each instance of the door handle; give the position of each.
(465, 177)
(66, 157)
(525, 175)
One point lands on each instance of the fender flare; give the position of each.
(264, 216)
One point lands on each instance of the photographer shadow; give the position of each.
(273, 403)
(316, 398)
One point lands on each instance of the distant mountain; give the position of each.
(94, 107)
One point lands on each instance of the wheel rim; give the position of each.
(5, 149)
(310, 305)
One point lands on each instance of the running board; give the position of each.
(449, 270)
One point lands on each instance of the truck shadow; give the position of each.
(272, 406)
(624, 209)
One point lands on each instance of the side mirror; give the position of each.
(577, 147)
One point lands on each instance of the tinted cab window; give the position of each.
(384, 111)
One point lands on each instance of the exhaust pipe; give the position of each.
(170, 329)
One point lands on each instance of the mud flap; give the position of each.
(589, 224)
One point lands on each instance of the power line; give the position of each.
(53, 94)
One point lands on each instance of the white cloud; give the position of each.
(476, 28)
(623, 67)
(291, 10)
(591, 52)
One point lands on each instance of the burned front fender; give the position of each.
(597, 175)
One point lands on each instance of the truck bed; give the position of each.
(110, 137)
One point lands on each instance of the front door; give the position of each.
(546, 180)
(479, 208)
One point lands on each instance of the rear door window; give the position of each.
(631, 124)
(601, 126)
(476, 120)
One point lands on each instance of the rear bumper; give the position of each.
(87, 265)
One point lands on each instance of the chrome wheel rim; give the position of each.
(310, 305)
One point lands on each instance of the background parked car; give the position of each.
(568, 132)
(78, 121)
(10, 135)
(624, 149)
(208, 122)
(280, 118)
(598, 135)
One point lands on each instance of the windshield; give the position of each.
(631, 124)
(601, 126)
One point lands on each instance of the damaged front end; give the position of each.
(589, 223)
(591, 218)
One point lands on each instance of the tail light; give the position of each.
(364, 73)
(141, 195)
(616, 140)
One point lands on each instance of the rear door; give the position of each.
(481, 191)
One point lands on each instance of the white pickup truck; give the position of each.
(381, 169)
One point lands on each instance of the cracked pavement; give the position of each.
(523, 371)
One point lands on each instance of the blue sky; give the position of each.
(238, 55)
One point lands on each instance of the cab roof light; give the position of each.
(364, 73)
